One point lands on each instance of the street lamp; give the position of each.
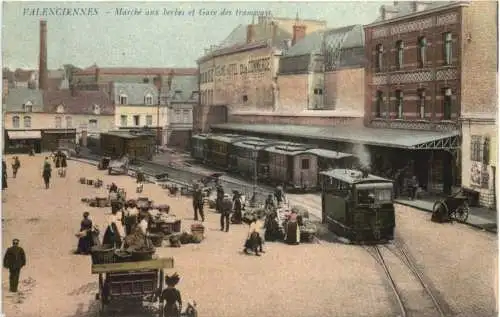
(254, 195)
(158, 136)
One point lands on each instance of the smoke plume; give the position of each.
(363, 155)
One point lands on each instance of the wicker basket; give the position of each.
(163, 208)
(142, 255)
(122, 256)
(83, 180)
(101, 201)
(198, 231)
(103, 254)
(157, 238)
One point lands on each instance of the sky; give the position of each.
(107, 39)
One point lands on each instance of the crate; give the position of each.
(102, 254)
(198, 231)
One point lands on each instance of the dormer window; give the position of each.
(28, 106)
(177, 94)
(96, 109)
(60, 109)
(148, 99)
(123, 99)
(194, 95)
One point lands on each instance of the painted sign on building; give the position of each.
(479, 175)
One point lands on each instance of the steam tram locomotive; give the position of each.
(357, 205)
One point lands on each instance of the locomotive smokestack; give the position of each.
(42, 66)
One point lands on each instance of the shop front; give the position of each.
(23, 141)
(54, 138)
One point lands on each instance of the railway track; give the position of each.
(413, 296)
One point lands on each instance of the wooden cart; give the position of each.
(131, 280)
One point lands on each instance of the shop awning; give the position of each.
(396, 138)
(59, 131)
(24, 135)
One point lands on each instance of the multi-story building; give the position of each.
(136, 106)
(428, 65)
(321, 78)
(44, 120)
(239, 76)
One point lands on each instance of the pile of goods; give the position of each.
(97, 183)
(100, 202)
(251, 214)
(306, 227)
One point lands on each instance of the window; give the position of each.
(123, 100)
(15, 122)
(399, 104)
(305, 164)
(28, 106)
(69, 122)
(177, 116)
(447, 104)
(123, 120)
(185, 116)
(422, 51)
(27, 122)
(148, 100)
(318, 91)
(58, 122)
(149, 120)
(421, 103)
(145, 80)
(380, 55)
(486, 151)
(447, 48)
(93, 123)
(245, 98)
(475, 148)
(400, 54)
(137, 120)
(378, 104)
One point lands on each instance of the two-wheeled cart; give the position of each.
(132, 280)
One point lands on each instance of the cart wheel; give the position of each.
(462, 212)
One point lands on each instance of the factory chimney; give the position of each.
(42, 66)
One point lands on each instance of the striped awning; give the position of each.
(24, 135)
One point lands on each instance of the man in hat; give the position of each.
(16, 164)
(14, 260)
(4, 175)
(269, 203)
(220, 198)
(238, 206)
(198, 202)
(47, 172)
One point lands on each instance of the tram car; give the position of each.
(219, 149)
(199, 147)
(357, 205)
(250, 157)
(293, 166)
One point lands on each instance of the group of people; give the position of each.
(16, 165)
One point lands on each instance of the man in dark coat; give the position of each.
(4, 175)
(198, 202)
(14, 260)
(219, 199)
(238, 206)
(47, 172)
(226, 210)
(15, 166)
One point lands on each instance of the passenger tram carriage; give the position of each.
(296, 166)
(357, 205)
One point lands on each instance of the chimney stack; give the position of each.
(299, 32)
(42, 66)
(73, 90)
(274, 27)
(250, 33)
(97, 75)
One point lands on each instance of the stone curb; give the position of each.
(466, 223)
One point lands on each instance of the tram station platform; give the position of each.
(479, 217)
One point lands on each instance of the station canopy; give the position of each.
(395, 138)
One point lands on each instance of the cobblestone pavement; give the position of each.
(326, 279)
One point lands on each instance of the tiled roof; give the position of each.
(135, 93)
(82, 103)
(135, 71)
(17, 97)
(23, 75)
(183, 88)
(338, 38)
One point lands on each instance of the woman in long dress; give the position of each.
(172, 297)
(85, 243)
(292, 230)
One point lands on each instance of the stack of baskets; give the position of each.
(198, 231)
(103, 254)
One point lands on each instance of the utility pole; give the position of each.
(253, 201)
(158, 133)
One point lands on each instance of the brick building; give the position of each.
(424, 73)
(238, 78)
